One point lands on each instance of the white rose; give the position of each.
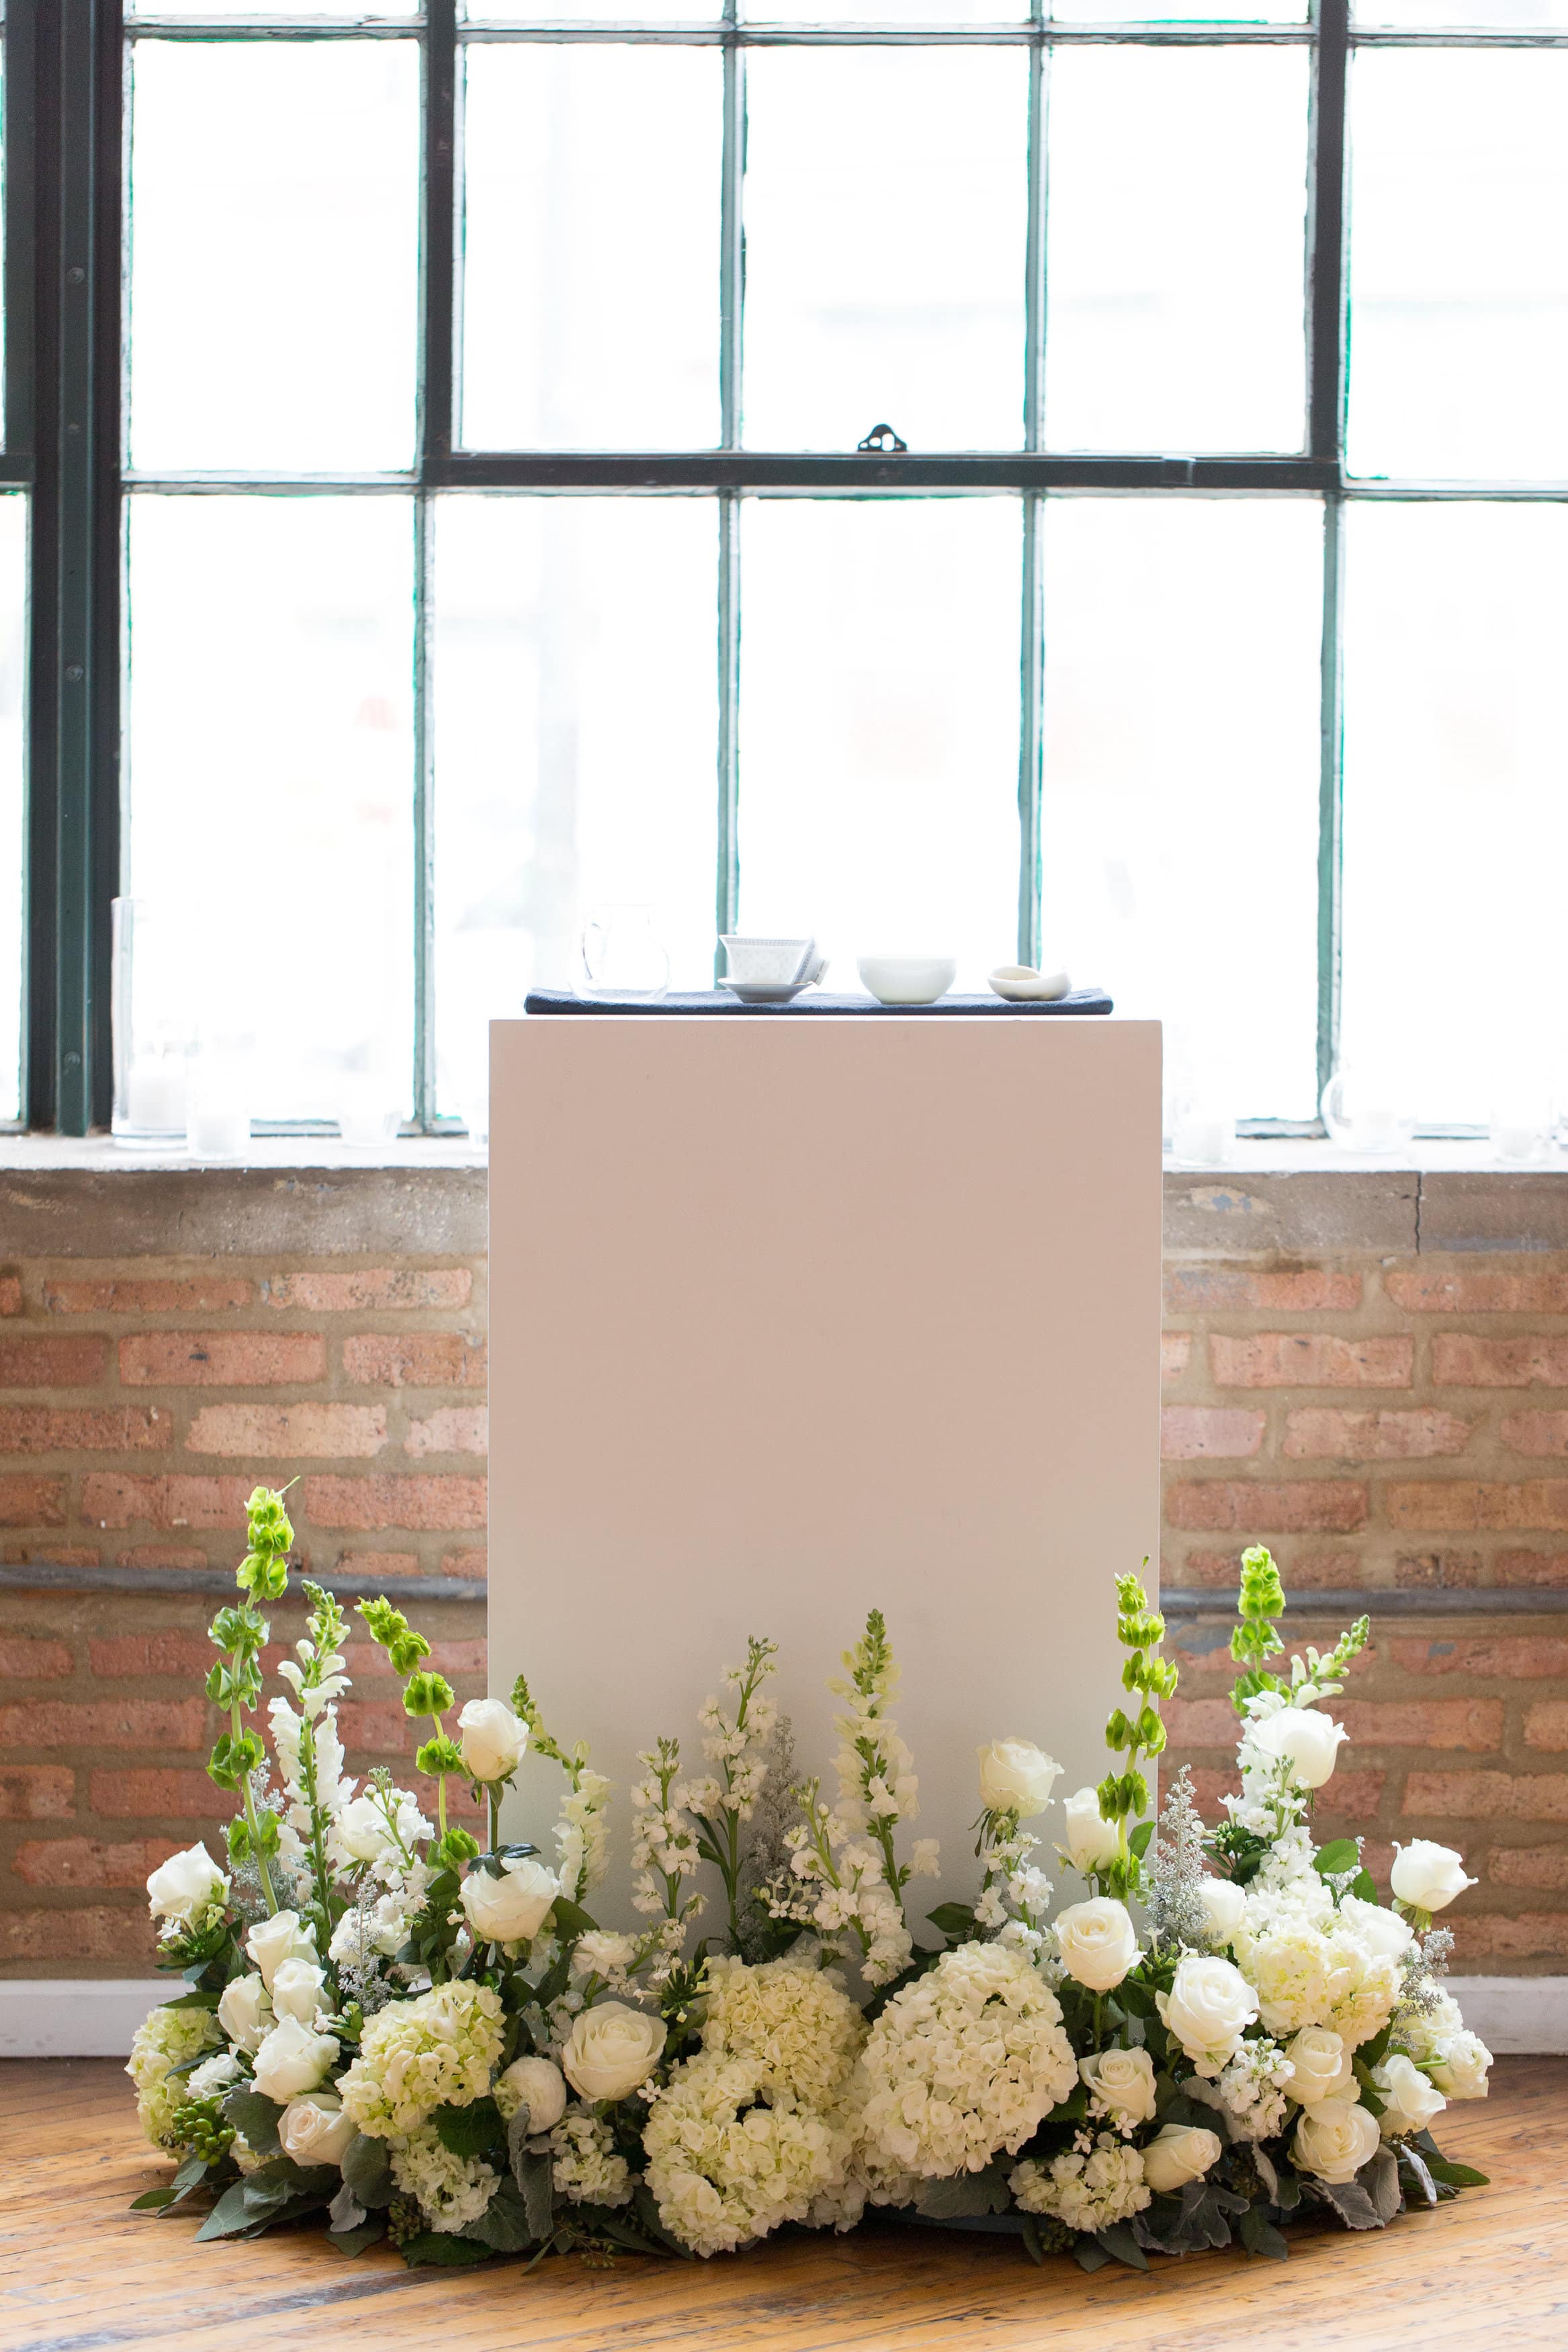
(1224, 1905)
(245, 2013)
(1335, 2138)
(1092, 1843)
(1302, 1737)
(512, 1909)
(492, 1739)
(362, 1828)
(1016, 1777)
(1321, 2064)
(292, 2059)
(1459, 2069)
(1381, 1932)
(1180, 2153)
(185, 1885)
(1428, 1876)
(1122, 2080)
(314, 2129)
(284, 1936)
(213, 2074)
(534, 2084)
(1409, 2100)
(1207, 2008)
(297, 1991)
(1098, 1941)
(611, 2050)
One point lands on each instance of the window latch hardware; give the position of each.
(883, 436)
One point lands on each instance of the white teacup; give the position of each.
(766, 964)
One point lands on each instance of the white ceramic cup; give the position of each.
(766, 964)
(907, 980)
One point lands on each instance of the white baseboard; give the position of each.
(95, 2017)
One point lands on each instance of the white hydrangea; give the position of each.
(451, 2191)
(417, 2056)
(166, 2038)
(1253, 2092)
(585, 2167)
(1365, 1988)
(726, 2166)
(966, 2060)
(793, 2021)
(1291, 1970)
(1087, 2188)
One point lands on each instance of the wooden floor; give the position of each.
(77, 2273)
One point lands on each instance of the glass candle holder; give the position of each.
(153, 1033)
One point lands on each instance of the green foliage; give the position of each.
(367, 2170)
(458, 1845)
(436, 2249)
(1124, 1795)
(470, 2130)
(255, 2116)
(264, 1570)
(391, 1628)
(1261, 1599)
(428, 1693)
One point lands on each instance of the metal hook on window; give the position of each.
(883, 436)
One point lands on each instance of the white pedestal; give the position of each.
(794, 1317)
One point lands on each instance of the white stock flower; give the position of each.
(1017, 1776)
(313, 2128)
(611, 2050)
(293, 2059)
(245, 2013)
(510, 1909)
(1335, 2138)
(1409, 2100)
(1208, 2007)
(1428, 1876)
(1177, 2154)
(1097, 1940)
(492, 1739)
(1301, 1737)
(1224, 1904)
(185, 1885)
(1121, 2081)
(1086, 2188)
(297, 1989)
(284, 1936)
(417, 2056)
(1378, 1930)
(1091, 1843)
(536, 2084)
(1321, 2063)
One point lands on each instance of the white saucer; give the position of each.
(766, 991)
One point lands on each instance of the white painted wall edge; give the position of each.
(95, 2017)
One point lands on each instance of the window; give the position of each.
(486, 521)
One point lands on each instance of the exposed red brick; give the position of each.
(1200, 1722)
(1191, 1433)
(1532, 1293)
(1308, 1359)
(415, 1360)
(158, 1792)
(455, 1659)
(52, 1364)
(459, 1429)
(168, 1650)
(1536, 1434)
(27, 1501)
(190, 1294)
(426, 1501)
(220, 1359)
(1461, 1360)
(1202, 1568)
(96, 1862)
(1527, 1935)
(378, 1563)
(374, 1727)
(1543, 1567)
(364, 1290)
(37, 1792)
(95, 1933)
(284, 1432)
(10, 1294)
(46, 1555)
(1435, 1569)
(162, 1556)
(104, 1723)
(1487, 1796)
(464, 1563)
(1546, 1724)
(1475, 1723)
(1466, 1503)
(114, 1499)
(1333, 1505)
(1286, 1290)
(84, 1429)
(1175, 1354)
(26, 1657)
(1543, 1868)
(1332, 1433)
(1507, 1656)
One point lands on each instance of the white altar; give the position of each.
(792, 1317)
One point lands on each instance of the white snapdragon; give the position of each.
(1250, 2092)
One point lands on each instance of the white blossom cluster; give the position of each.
(581, 1832)
(451, 2191)
(584, 2165)
(167, 2038)
(417, 2056)
(1088, 2188)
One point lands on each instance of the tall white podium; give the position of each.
(791, 1317)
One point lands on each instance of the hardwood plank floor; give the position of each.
(77, 2273)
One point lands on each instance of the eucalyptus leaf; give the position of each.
(1457, 2176)
(570, 1919)
(354, 2242)
(197, 2000)
(964, 2194)
(1121, 2246)
(255, 2116)
(1089, 2254)
(367, 2170)
(1032, 2239)
(152, 2200)
(954, 1920)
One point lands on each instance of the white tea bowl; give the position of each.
(1020, 984)
(907, 980)
(766, 963)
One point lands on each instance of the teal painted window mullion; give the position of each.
(732, 274)
(1031, 657)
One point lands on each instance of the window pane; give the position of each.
(591, 279)
(13, 788)
(270, 764)
(894, 12)
(1180, 12)
(274, 255)
(1179, 827)
(576, 745)
(306, 9)
(885, 216)
(1456, 797)
(1176, 228)
(1458, 263)
(879, 724)
(1538, 15)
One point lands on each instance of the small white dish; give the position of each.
(763, 992)
(1020, 984)
(907, 980)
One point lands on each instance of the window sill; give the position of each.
(99, 1155)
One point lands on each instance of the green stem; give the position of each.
(495, 1796)
(318, 1826)
(249, 1802)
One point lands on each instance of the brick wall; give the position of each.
(1369, 1373)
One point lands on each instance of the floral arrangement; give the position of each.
(393, 2031)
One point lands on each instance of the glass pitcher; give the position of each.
(622, 953)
